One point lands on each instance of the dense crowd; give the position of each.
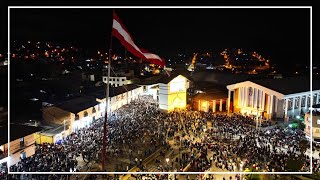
(3, 170)
(136, 130)
(125, 131)
(232, 144)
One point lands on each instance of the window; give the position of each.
(318, 121)
(317, 130)
(117, 79)
(77, 117)
(122, 79)
(303, 101)
(21, 142)
(290, 104)
(309, 119)
(85, 114)
(93, 110)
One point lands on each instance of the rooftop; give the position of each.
(163, 78)
(16, 131)
(223, 78)
(54, 130)
(290, 85)
(100, 92)
(213, 95)
(77, 104)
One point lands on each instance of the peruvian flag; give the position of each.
(119, 31)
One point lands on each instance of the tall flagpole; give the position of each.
(106, 110)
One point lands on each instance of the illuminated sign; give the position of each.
(178, 84)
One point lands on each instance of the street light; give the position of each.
(167, 160)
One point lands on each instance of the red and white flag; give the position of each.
(119, 31)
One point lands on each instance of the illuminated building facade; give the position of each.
(119, 96)
(117, 81)
(77, 113)
(173, 93)
(152, 90)
(313, 121)
(273, 98)
(211, 101)
(80, 112)
(22, 143)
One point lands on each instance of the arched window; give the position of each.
(77, 117)
(85, 114)
(93, 110)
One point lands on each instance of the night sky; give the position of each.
(281, 34)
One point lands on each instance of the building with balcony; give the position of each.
(273, 98)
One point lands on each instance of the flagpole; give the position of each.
(106, 109)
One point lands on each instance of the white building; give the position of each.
(119, 78)
(152, 90)
(169, 92)
(273, 98)
(81, 111)
(119, 96)
(117, 81)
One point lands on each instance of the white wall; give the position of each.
(163, 96)
(116, 81)
(150, 90)
(122, 99)
(174, 94)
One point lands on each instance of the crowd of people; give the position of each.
(138, 129)
(133, 132)
(3, 170)
(232, 143)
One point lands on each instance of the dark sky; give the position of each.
(282, 34)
